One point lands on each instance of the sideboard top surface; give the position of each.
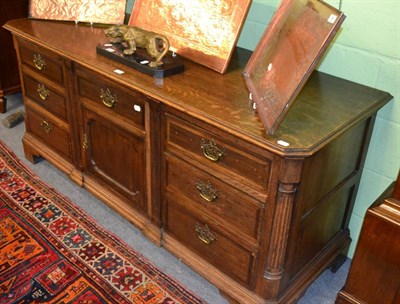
(325, 108)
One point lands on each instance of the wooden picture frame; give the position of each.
(203, 31)
(91, 11)
(292, 45)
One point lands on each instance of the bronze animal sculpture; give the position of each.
(157, 45)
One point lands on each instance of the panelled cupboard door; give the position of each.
(115, 155)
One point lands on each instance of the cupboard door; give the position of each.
(115, 155)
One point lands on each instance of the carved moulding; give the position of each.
(296, 38)
(93, 11)
(204, 31)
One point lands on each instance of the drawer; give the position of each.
(212, 196)
(42, 61)
(206, 240)
(45, 96)
(48, 130)
(112, 97)
(215, 150)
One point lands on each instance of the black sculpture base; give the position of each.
(140, 60)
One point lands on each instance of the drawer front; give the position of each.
(210, 243)
(214, 197)
(50, 132)
(113, 98)
(216, 151)
(44, 95)
(42, 61)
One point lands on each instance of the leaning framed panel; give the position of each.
(203, 31)
(296, 38)
(93, 11)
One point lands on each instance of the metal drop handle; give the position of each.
(207, 191)
(211, 151)
(43, 92)
(47, 127)
(108, 99)
(205, 235)
(39, 62)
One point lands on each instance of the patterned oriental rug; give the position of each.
(52, 252)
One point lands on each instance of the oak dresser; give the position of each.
(187, 161)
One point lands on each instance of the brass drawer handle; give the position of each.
(204, 234)
(47, 127)
(207, 192)
(211, 150)
(39, 62)
(43, 92)
(108, 99)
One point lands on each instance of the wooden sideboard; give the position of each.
(374, 275)
(186, 159)
(9, 77)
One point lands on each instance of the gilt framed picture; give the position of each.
(204, 31)
(92, 11)
(295, 40)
